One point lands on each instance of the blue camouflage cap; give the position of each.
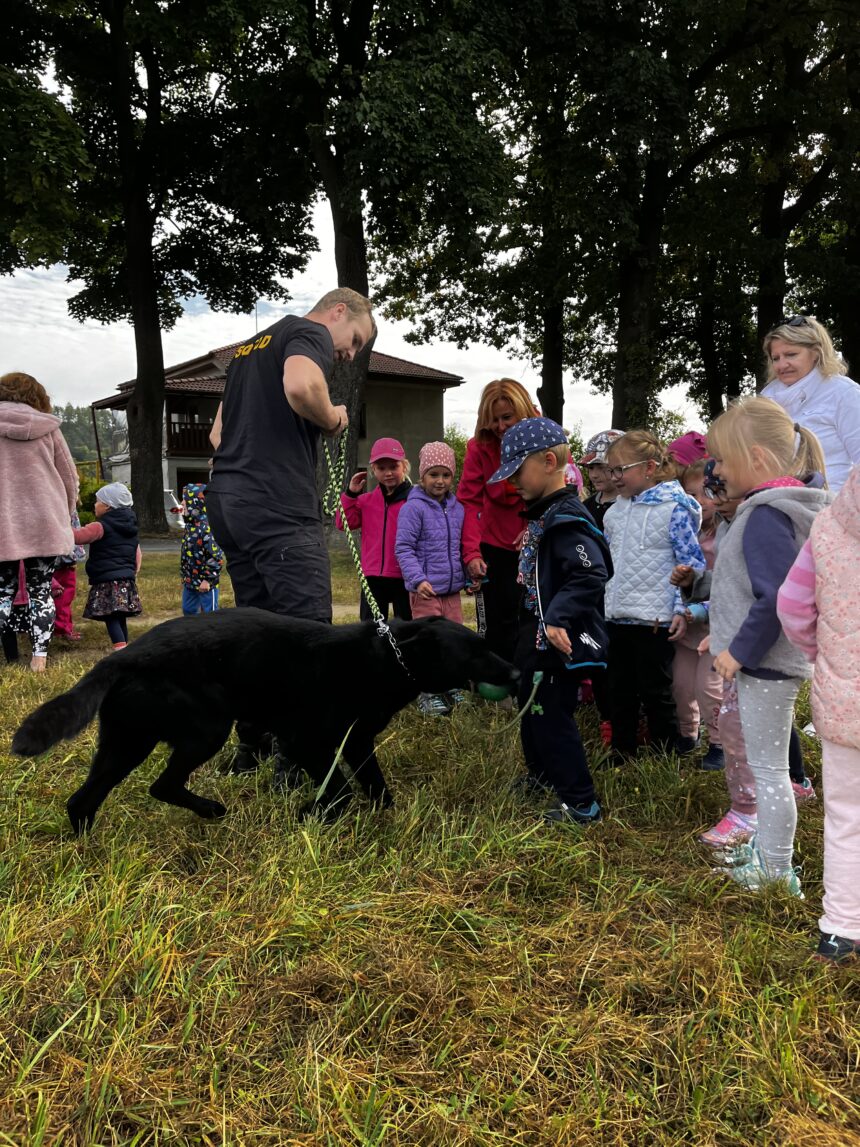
(527, 437)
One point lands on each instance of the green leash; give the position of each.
(331, 504)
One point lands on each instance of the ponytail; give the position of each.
(809, 457)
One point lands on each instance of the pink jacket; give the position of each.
(38, 485)
(376, 517)
(819, 604)
(492, 512)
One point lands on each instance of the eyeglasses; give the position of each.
(616, 473)
(717, 494)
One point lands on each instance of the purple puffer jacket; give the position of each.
(429, 542)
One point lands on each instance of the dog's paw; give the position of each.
(80, 819)
(208, 809)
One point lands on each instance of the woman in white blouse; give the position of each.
(807, 378)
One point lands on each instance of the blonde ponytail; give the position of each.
(809, 458)
(792, 449)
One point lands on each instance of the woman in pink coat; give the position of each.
(38, 492)
(818, 605)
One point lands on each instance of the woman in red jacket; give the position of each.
(493, 527)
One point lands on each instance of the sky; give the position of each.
(79, 362)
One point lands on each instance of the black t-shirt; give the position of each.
(597, 509)
(267, 451)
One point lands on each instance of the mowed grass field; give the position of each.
(451, 971)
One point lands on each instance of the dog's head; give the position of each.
(442, 655)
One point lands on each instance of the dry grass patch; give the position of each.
(449, 972)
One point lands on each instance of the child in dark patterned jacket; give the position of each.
(201, 557)
(563, 568)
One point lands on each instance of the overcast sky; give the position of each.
(79, 362)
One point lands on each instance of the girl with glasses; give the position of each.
(652, 527)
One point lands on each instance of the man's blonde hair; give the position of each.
(358, 305)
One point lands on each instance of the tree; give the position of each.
(191, 192)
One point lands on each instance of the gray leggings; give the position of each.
(767, 711)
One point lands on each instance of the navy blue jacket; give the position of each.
(572, 562)
(114, 556)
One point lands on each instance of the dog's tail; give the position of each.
(65, 716)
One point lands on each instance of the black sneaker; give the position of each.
(573, 814)
(686, 745)
(834, 949)
(244, 761)
(714, 759)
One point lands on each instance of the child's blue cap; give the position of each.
(527, 437)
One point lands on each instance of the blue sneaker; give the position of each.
(714, 759)
(573, 814)
(836, 949)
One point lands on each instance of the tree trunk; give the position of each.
(635, 365)
(849, 300)
(706, 337)
(146, 405)
(771, 272)
(551, 390)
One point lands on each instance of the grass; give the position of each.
(448, 972)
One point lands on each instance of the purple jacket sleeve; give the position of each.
(409, 523)
(770, 548)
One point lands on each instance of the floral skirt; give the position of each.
(107, 597)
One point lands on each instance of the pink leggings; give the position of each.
(739, 778)
(67, 579)
(840, 770)
(442, 605)
(698, 692)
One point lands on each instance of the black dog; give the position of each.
(186, 681)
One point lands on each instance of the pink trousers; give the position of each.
(442, 605)
(698, 693)
(840, 773)
(67, 578)
(739, 778)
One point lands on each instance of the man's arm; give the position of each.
(215, 432)
(307, 393)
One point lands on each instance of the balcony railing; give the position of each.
(189, 438)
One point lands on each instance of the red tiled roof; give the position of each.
(180, 380)
(380, 364)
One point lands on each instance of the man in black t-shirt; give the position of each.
(262, 498)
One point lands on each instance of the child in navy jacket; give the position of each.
(564, 566)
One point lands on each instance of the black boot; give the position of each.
(287, 775)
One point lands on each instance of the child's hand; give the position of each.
(425, 589)
(677, 627)
(681, 575)
(357, 482)
(704, 645)
(558, 637)
(726, 665)
(204, 587)
(476, 569)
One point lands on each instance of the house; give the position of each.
(402, 400)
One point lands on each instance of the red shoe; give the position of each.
(606, 732)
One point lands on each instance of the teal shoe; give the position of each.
(753, 875)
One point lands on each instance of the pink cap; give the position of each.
(689, 448)
(387, 448)
(436, 454)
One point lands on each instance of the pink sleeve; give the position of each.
(66, 469)
(138, 558)
(470, 491)
(795, 604)
(350, 510)
(84, 535)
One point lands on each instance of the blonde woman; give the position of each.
(808, 379)
(493, 527)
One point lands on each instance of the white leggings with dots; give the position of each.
(767, 711)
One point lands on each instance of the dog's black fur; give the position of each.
(186, 681)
